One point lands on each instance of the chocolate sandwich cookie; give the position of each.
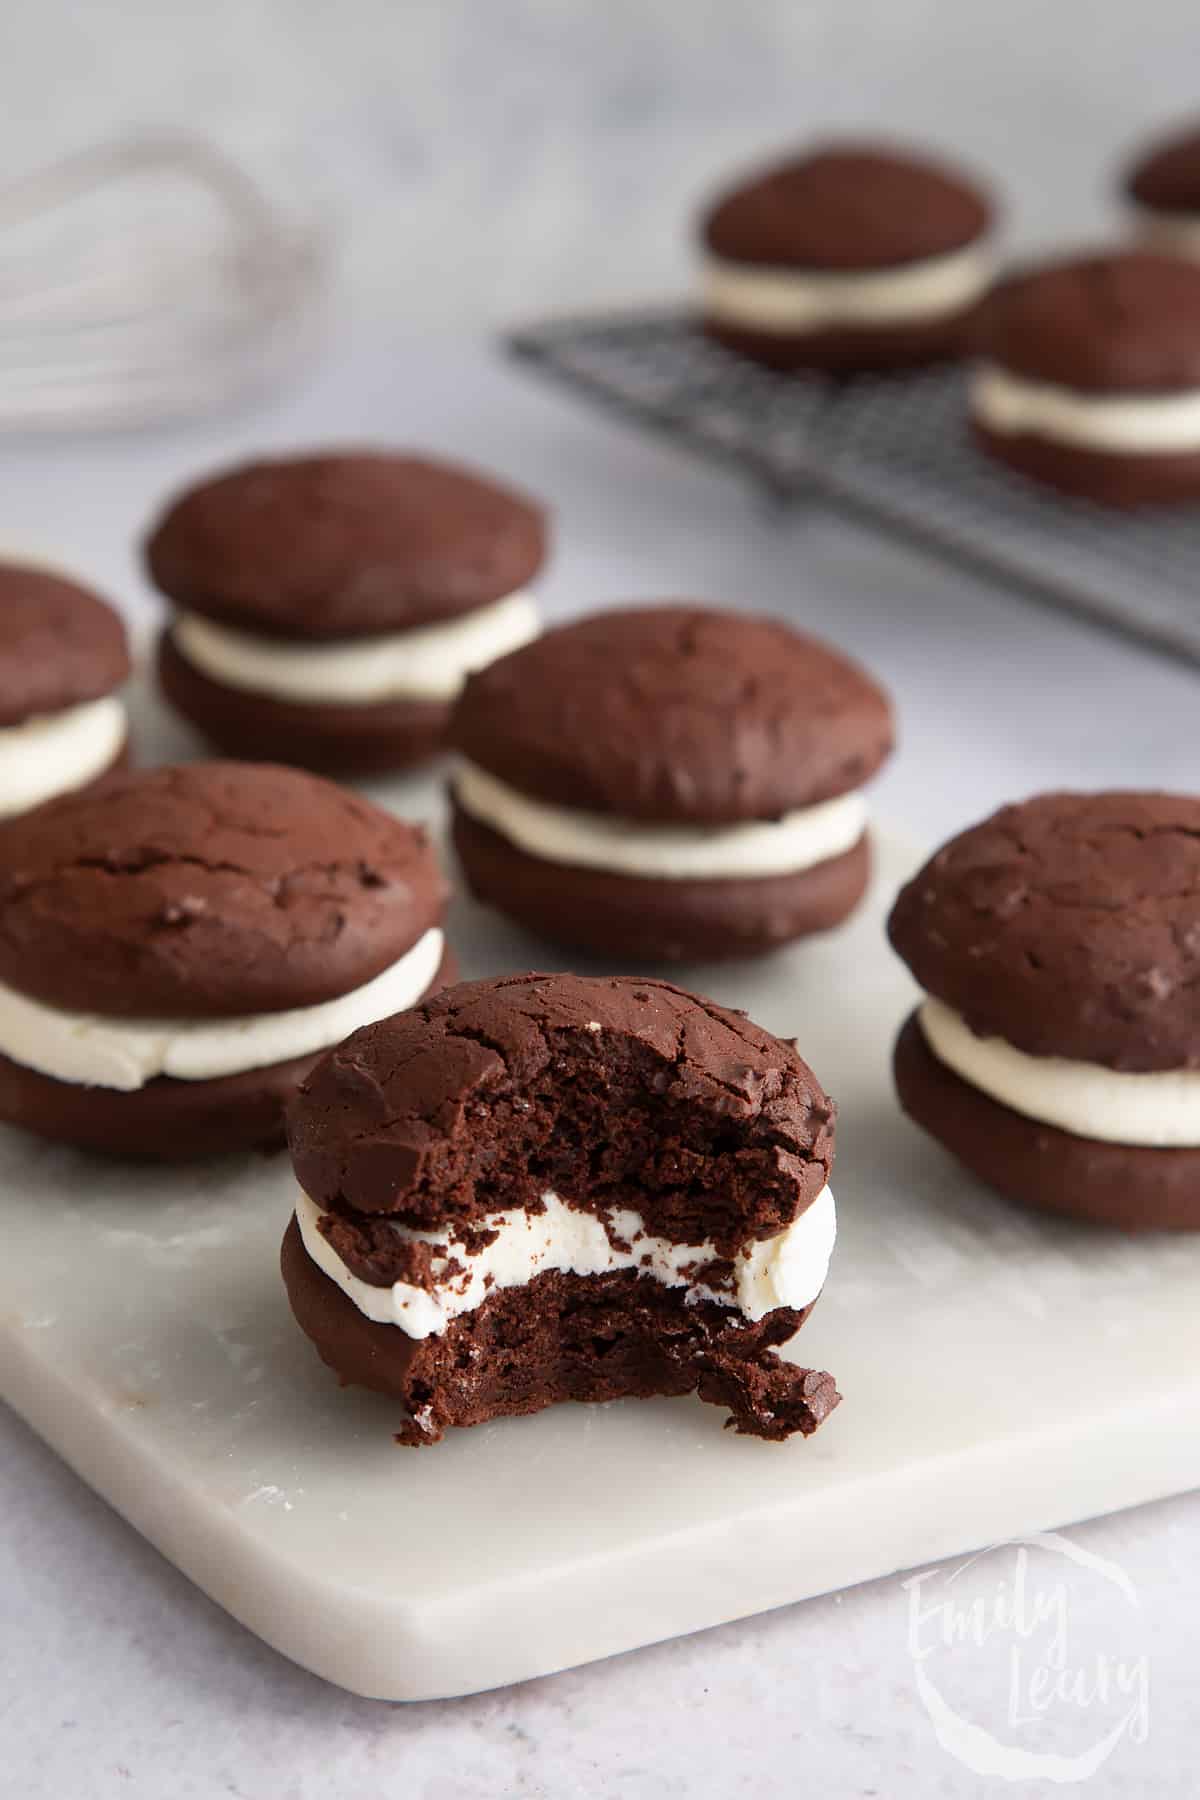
(178, 945)
(855, 256)
(328, 607)
(1089, 378)
(1057, 1053)
(544, 1187)
(63, 656)
(669, 783)
(1163, 187)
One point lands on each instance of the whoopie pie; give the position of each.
(1089, 377)
(1057, 1051)
(63, 656)
(851, 256)
(668, 783)
(543, 1187)
(178, 945)
(326, 608)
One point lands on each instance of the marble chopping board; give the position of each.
(1001, 1374)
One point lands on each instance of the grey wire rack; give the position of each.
(892, 452)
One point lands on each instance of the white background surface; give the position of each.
(489, 158)
(489, 161)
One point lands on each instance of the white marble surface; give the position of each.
(116, 1677)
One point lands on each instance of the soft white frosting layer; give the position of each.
(1159, 1109)
(1147, 423)
(1177, 233)
(786, 1270)
(799, 840)
(57, 752)
(428, 663)
(797, 300)
(125, 1054)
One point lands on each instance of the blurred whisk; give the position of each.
(145, 279)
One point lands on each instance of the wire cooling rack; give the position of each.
(891, 451)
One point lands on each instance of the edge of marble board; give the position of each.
(379, 1647)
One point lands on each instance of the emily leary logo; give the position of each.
(1027, 1659)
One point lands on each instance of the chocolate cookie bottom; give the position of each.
(850, 350)
(563, 1337)
(1037, 1165)
(654, 920)
(1110, 478)
(167, 1120)
(349, 740)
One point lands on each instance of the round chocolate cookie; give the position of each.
(178, 945)
(670, 782)
(1164, 188)
(328, 607)
(1090, 377)
(854, 256)
(539, 1188)
(1057, 1052)
(63, 655)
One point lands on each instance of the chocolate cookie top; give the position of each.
(60, 645)
(1069, 925)
(1121, 321)
(675, 713)
(1167, 177)
(207, 890)
(344, 545)
(606, 1091)
(847, 206)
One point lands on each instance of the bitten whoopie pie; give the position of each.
(668, 783)
(1164, 188)
(178, 945)
(852, 256)
(541, 1188)
(1057, 1053)
(63, 655)
(327, 608)
(1090, 377)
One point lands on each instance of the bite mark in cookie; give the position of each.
(556, 1136)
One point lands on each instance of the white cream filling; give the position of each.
(799, 840)
(786, 1270)
(1159, 1109)
(1176, 233)
(57, 752)
(124, 1054)
(787, 300)
(1148, 423)
(430, 662)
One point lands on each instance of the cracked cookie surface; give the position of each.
(207, 890)
(610, 1091)
(1068, 925)
(61, 645)
(676, 713)
(344, 544)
